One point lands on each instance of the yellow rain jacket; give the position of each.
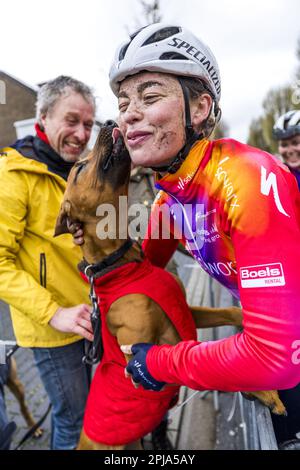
(30, 257)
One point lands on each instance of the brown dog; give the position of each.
(132, 317)
(17, 389)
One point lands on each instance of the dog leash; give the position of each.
(13, 348)
(93, 349)
(32, 430)
(178, 407)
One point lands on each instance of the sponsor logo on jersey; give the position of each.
(270, 182)
(182, 182)
(262, 275)
(229, 192)
(219, 268)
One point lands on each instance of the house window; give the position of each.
(2, 92)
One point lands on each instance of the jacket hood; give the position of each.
(15, 161)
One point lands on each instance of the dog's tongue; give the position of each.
(115, 134)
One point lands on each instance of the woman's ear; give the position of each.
(200, 109)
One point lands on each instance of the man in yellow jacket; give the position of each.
(38, 273)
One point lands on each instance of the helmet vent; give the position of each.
(123, 51)
(162, 34)
(172, 56)
(125, 47)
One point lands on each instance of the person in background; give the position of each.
(38, 273)
(286, 131)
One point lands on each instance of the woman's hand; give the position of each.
(137, 368)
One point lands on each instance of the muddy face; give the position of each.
(151, 117)
(98, 179)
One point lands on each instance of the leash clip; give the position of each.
(93, 349)
(86, 273)
(92, 294)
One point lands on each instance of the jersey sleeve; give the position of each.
(264, 228)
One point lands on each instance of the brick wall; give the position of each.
(19, 104)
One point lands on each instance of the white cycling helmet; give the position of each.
(169, 49)
(287, 125)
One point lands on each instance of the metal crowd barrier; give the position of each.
(251, 417)
(7, 348)
(254, 418)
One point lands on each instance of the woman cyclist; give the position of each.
(231, 204)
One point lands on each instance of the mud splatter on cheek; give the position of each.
(166, 139)
(175, 134)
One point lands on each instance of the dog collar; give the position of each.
(96, 269)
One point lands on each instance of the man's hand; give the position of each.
(137, 367)
(74, 320)
(75, 229)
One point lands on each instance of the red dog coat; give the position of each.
(116, 412)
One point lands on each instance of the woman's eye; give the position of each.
(123, 107)
(150, 98)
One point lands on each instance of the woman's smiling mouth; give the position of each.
(136, 138)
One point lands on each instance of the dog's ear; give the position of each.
(63, 219)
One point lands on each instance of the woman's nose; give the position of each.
(133, 113)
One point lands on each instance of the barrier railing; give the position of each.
(251, 418)
(255, 419)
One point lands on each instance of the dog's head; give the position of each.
(100, 178)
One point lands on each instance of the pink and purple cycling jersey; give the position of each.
(237, 210)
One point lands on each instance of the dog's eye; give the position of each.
(79, 167)
(80, 163)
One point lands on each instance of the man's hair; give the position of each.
(52, 91)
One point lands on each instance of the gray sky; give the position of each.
(254, 42)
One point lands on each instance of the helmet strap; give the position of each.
(191, 136)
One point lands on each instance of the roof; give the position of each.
(32, 88)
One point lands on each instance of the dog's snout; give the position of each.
(110, 123)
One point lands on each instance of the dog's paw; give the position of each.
(268, 398)
(38, 433)
(237, 316)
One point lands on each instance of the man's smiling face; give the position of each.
(68, 125)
